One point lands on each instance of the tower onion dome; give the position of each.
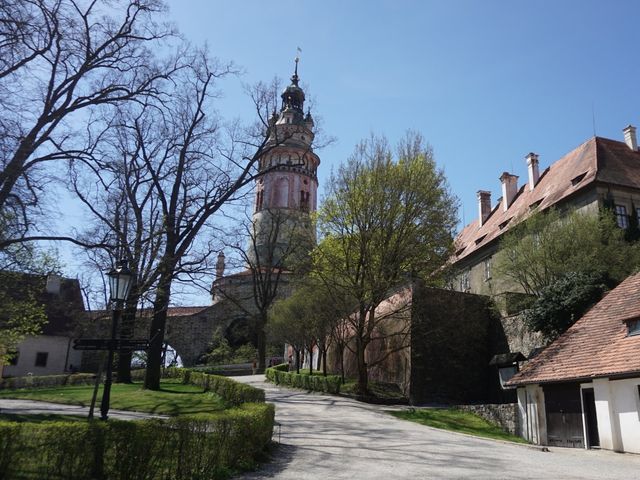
(293, 95)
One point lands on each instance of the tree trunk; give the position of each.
(262, 344)
(156, 333)
(324, 362)
(297, 361)
(363, 377)
(341, 350)
(123, 374)
(311, 360)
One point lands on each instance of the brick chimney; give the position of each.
(630, 137)
(484, 206)
(220, 266)
(533, 169)
(53, 283)
(509, 189)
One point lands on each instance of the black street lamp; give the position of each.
(119, 284)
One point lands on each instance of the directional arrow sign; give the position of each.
(108, 344)
(133, 344)
(92, 344)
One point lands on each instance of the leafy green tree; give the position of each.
(387, 218)
(561, 303)
(547, 246)
(22, 314)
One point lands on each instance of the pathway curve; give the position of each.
(26, 407)
(329, 437)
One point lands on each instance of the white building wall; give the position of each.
(60, 356)
(607, 422)
(626, 412)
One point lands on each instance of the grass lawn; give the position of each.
(174, 398)
(380, 390)
(457, 421)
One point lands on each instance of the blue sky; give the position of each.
(485, 82)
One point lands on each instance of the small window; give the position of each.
(504, 224)
(621, 216)
(487, 268)
(13, 357)
(480, 239)
(535, 204)
(41, 359)
(634, 327)
(576, 180)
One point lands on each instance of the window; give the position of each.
(41, 359)
(465, 283)
(633, 327)
(13, 359)
(487, 268)
(578, 179)
(304, 201)
(621, 216)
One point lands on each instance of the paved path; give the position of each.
(20, 407)
(327, 437)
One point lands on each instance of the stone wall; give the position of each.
(504, 415)
(454, 335)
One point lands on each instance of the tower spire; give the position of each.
(295, 78)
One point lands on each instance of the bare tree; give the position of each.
(271, 251)
(59, 61)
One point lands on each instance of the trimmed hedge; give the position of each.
(32, 381)
(234, 393)
(283, 367)
(189, 447)
(317, 383)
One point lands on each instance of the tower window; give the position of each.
(259, 198)
(304, 200)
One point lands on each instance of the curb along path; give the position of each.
(27, 407)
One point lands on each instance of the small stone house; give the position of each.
(51, 352)
(583, 390)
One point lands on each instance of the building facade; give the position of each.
(583, 390)
(598, 172)
(51, 352)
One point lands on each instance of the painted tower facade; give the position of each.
(286, 192)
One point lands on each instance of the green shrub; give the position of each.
(318, 383)
(235, 393)
(283, 367)
(31, 381)
(203, 446)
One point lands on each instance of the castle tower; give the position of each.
(286, 192)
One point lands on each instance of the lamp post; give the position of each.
(119, 284)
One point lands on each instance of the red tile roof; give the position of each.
(596, 160)
(595, 346)
(171, 312)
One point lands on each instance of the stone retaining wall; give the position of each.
(504, 415)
